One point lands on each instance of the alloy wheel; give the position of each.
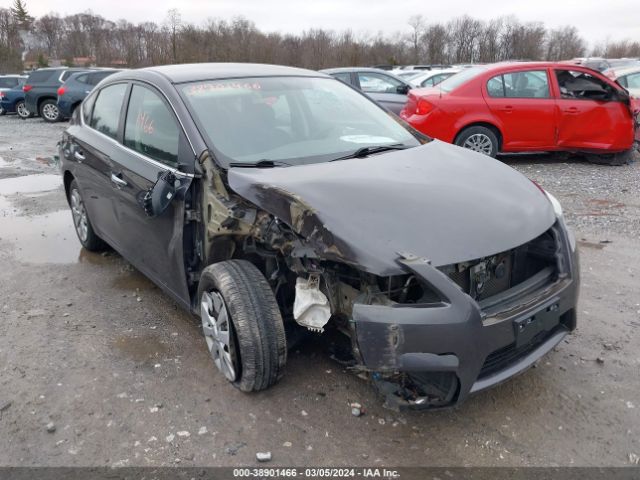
(50, 112)
(479, 142)
(79, 213)
(22, 110)
(216, 325)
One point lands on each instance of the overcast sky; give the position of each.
(597, 20)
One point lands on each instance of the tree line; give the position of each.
(104, 42)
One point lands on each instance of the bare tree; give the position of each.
(417, 24)
(173, 21)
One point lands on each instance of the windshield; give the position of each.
(458, 79)
(292, 120)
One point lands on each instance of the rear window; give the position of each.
(8, 82)
(82, 78)
(41, 76)
(96, 78)
(458, 79)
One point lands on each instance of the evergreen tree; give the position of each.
(22, 17)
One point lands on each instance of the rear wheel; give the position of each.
(615, 159)
(479, 139)
(2, 111)
(242, 324)
(49, 111)
(22, 111)
(81, 222)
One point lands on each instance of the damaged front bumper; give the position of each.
(436, 355)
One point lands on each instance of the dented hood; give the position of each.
(436, 201)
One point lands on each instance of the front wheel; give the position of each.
(242, 324)
(479, 139)
(22, 110)
(49, 111)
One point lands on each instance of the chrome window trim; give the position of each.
(151, 161)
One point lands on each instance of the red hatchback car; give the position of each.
(532, 106)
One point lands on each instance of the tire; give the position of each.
(49, 111)
(21, 110)
(236, 298)
(81, 222)
(614, 159)
(479, 139)
(2, 112)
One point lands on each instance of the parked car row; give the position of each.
(51, 93)
(514, 106)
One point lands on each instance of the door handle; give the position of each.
(79, 156)
(117, 181)
(571, 110)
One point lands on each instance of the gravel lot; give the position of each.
(98, 367)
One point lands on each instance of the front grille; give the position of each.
(505, 356)
(486, 277)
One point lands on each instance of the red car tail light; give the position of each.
(61, 91)
(423, 107)
(26, 88)
(1, 94)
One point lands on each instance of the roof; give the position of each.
(354, 69)
(190, 72)
(619, 72)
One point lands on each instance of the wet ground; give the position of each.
(93, 350)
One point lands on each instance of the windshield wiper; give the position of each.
(264, 163)
(364, 151)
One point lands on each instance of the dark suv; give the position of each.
(77, 87)
(41, 91)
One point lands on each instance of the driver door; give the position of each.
(590, 120)
(383, 89)
(153, 142)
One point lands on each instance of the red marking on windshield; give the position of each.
(145, 122)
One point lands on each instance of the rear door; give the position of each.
(524, 108)
(92, 146)
(384, 89)
(591, 116)
(153, 141)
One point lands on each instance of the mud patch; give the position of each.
(133, 281)
(30, 184)
(142, 348)
(47, 238)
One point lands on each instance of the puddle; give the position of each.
(30, 184)
(47, 238)
(141, 348)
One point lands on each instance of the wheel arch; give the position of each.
(42, 99)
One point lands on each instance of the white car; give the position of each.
(432, 77)
(628, 77)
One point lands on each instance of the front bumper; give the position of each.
(475, 345)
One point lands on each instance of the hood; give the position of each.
(436, 201)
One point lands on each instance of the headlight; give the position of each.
(557, 208)
(555, 203)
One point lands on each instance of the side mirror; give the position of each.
(158, 197)
(403, 89)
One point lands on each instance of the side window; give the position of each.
(495, 86)
(87, 107)
(372, 82)
(151, 128)
(343, 77)
(632, 80)
(530, 84)
(106, 109)
(575, 84)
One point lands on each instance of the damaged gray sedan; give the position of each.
(269, 199)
